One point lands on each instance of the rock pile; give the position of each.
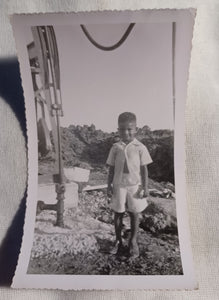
(159, 216)
(88, 147)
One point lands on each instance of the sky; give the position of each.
(98, 85)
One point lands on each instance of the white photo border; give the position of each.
(184, 19)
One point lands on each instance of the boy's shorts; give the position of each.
(125, 199)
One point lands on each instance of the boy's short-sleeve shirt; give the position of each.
(135, 154)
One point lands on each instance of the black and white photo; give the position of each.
(105, 95)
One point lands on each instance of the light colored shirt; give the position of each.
(134, 154)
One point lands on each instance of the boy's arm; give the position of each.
(144, 180)
(110, 181)
(111, 163)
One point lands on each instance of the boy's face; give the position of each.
(127, 131)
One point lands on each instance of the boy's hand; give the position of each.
(142, 193)
(146, 193)
(109, 191)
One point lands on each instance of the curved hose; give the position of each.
(108, 48)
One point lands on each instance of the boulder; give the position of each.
(159, 216)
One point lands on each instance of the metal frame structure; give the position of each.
(44, 63)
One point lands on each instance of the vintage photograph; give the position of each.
(106, 196)
(104, 100)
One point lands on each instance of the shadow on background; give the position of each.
(11, 90)
(10, 246)
(12, 93)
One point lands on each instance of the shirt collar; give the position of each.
(134, 142)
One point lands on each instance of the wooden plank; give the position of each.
(94, 187)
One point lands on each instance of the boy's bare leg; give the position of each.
(118, 218)
(134, 251)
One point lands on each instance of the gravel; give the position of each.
(82, 246)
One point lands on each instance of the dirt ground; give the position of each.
(82, 246)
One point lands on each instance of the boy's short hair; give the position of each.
(127, 116)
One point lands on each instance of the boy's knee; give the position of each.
(118, 215)
(134, 215)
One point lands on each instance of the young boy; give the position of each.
(128, 179)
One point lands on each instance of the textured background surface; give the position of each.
(202, 148)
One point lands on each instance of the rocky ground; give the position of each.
(82, 246)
